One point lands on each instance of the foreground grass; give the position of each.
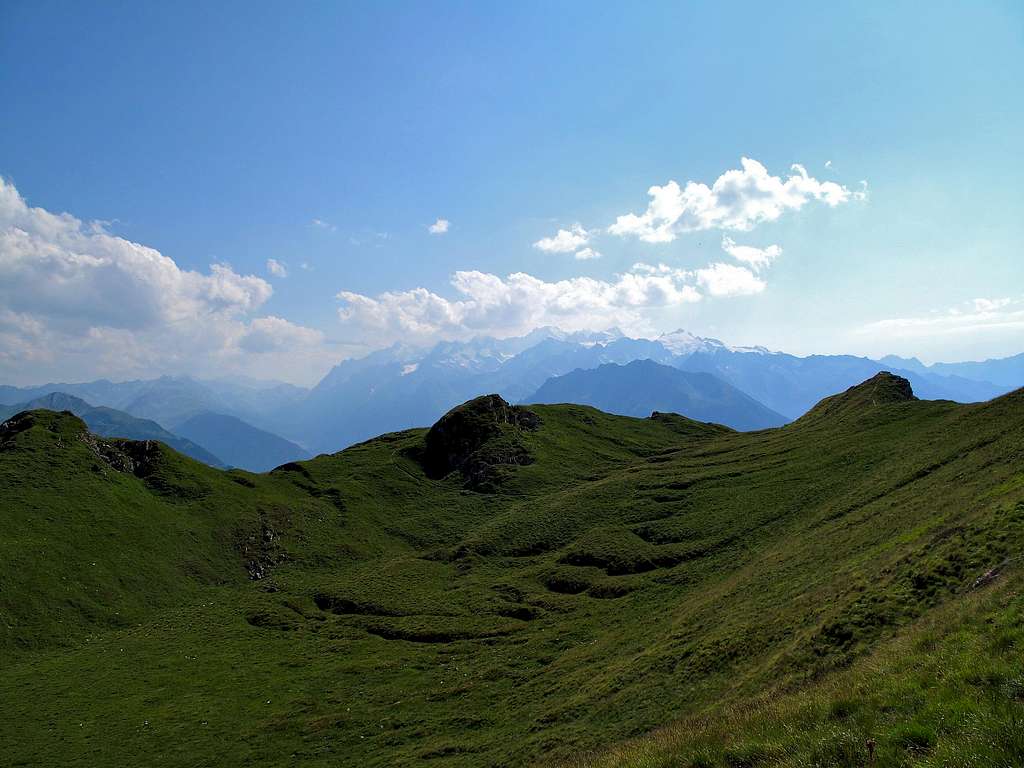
(948, 692)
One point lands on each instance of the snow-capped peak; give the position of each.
(682, 342)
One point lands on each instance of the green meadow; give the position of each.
(553, 585)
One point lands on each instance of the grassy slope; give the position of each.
(949, 691)
(636, 572)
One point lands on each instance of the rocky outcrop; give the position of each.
(17, 424)
(477, 437)
(135, 457)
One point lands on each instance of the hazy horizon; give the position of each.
(421, 349)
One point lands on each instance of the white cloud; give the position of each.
(990, 305)
(78, 302)
(277, 268)
(729, 280)
(492, 305)
(439, 227)
(321, 224)
(565, 240)
(758, 258)
(999, 315)
(737, 200)
(271, 334)
(585, 254)
(828, 163)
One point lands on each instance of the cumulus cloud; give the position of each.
(277, 268)
(439, 227)
(984, 315)
(79, 302)
(758, 258)
(729, 280)
(565, 240)
(584, 254)
(739, 200)
(512, 305)
(271, 334)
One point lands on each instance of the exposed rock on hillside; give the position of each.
(476, 438)
(136, 457)
(16, 425)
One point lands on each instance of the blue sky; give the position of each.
(218, 134)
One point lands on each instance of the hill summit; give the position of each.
(884, 388)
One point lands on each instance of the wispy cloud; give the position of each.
(277, 268)
(321, 224)
(981, 315)
(375, 239)
(439, 227)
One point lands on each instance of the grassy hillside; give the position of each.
(949, 691)
(517, 585)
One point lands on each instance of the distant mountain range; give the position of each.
(171, 400)
(644, 386)
(403, 386)
(212, 438)
(109, 422)
(400, 387)
(1005, 372)
(241, 444)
